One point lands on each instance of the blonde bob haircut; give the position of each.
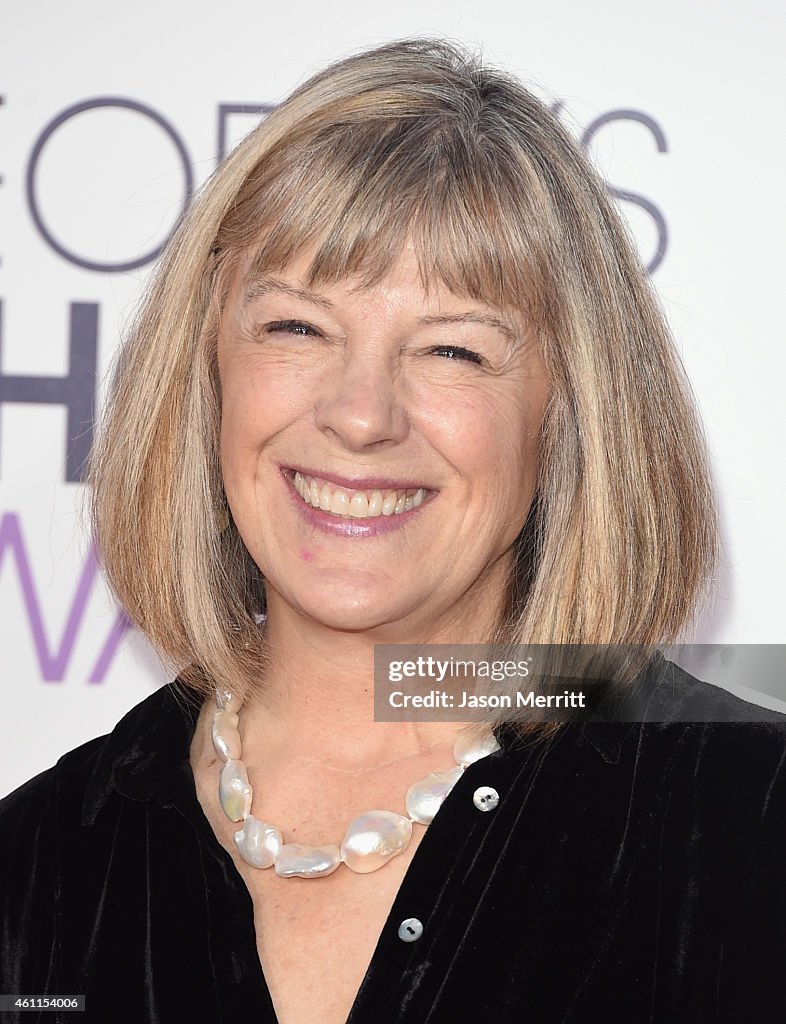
(415, 142)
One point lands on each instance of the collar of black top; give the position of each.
(146, 756)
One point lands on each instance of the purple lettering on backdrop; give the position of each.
(54, 664)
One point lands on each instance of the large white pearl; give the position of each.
(373, 838)
(226, 738)
(234, 790)
(425, 798)
(294, 859)
(258, 842)
(470, 748)
(226, 700)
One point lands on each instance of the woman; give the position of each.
(400, 379)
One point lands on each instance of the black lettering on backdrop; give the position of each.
(225, 110)
(76, 391)
(32, 166)
(623, 195)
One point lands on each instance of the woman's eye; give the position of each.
(455, 352)
(290, 327)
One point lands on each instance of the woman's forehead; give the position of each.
(407, 274)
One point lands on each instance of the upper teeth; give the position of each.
(355, 504)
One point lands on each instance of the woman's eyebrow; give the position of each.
(470, 318)
(266, 284)
(263, 285)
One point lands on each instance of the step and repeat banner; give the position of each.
(110, 119)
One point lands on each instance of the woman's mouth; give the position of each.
(356, 503)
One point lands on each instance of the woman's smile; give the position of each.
(341, 507)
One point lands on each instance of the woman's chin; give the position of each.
(353, 617)
(347, 611)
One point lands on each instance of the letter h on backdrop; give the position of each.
(75, 391)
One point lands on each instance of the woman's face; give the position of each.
(378, 446)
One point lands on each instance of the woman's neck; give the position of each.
(316, 700)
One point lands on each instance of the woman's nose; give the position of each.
(360, 403)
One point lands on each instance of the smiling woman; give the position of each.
(411, 189)
(400, 378)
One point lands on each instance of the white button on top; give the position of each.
(485, 798)
(410, 929)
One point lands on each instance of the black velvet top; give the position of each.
(630, 873)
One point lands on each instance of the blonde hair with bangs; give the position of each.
(415, 141)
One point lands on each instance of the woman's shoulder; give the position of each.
(673, 693)
(40, 823)
(61, 830)
(667, 695)
(28, 809)
(708, 750)
(712, 719)
(70, 792)
(79, 827)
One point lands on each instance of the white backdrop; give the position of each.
(109, 112)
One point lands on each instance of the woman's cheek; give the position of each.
(494, 434)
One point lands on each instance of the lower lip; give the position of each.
(344, 526)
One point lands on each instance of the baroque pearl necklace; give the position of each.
(371, 840)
